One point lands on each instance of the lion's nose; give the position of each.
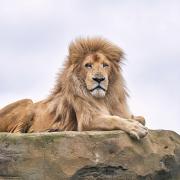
(98, 79)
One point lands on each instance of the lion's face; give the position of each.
(96, 72)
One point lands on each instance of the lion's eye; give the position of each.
(88, 65)
(105, 65)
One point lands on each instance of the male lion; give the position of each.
(89, 94)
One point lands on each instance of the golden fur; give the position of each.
(77, 102)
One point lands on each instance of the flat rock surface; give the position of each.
(90, 155)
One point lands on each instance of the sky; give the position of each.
(34, 39)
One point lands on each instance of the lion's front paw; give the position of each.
(136, 129)
(140, 119)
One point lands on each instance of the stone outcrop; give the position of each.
(90, 155)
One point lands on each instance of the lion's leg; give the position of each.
(16, 117)
(132, 127)
(140, 119)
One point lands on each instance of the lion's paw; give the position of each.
(136, 129)
(140, 119)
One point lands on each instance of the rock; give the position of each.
(90, 155)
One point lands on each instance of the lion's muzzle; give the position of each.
(99, 85)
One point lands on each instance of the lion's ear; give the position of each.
(120, 57)
(76, 51)
(115, 54)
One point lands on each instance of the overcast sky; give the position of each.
(35, 34)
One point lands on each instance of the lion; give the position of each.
(89, 94)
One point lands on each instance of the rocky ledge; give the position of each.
(90, 155)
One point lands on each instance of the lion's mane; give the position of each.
(70, 85)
